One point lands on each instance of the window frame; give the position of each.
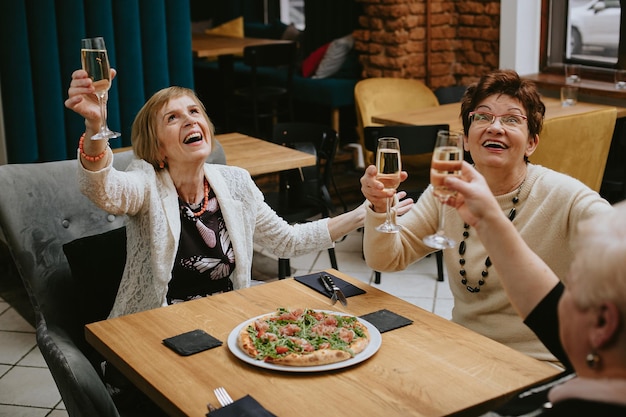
(553, 44)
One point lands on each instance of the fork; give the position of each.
(222, 396)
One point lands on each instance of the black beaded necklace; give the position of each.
(463, 247)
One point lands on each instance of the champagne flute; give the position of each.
(388, 164)
(447, 160)
(95, 60)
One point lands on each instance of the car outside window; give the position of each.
(593, 31)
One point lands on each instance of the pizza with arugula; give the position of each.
(303, 337)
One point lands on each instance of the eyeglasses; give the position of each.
(481, 118)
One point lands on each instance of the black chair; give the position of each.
(614, 180)
(451, 94)
(303, 193)
(414, 140)
(266, 97)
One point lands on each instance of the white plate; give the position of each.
(373, 346)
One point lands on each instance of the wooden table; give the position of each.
(450, 113)
(431, 368)
(211, 46)
(259, 156)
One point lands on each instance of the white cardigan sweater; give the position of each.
(550, 206)
(150, 200)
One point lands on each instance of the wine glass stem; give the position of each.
(388, 221)
(442, 218)
(102, 100)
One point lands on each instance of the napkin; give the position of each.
(188, 343)
(385, 320)
(313, 281)
(243, 407)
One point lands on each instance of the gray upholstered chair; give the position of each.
(41, 210)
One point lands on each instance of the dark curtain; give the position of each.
(149, 43)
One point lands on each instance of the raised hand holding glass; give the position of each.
(95, 60)
(447, 160)
(388, 164)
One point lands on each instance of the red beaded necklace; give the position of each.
(206, 200)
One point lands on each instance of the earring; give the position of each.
(161, 164)
(593, 360)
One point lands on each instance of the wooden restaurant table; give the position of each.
(259, 156)
(449, 113)
(432, 367)
(210, 46)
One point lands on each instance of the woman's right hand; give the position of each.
(474, 201)
(374, 190)
(82, 98)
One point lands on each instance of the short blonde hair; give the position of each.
(598, 273)
(144, 131)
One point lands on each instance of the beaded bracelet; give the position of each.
(89, 158)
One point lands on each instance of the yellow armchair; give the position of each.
(577, 145)
(374, 96)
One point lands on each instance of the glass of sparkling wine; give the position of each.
(95, 60)
(388, 163)
(447, 160)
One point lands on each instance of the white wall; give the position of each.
(520, 35)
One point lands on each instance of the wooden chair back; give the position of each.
(577, 145)
(384, 95)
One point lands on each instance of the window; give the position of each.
(593, 31)
(292, 11)
(586, 32)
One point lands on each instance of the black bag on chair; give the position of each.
(300, 186)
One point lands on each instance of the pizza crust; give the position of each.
(246, 344)
(322, 356)
(319, 357)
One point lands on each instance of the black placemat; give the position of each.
(244, 407)
(385, 320)
(188, 343)
(313, 281)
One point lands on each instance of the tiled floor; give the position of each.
(28, 390)
(26, 386)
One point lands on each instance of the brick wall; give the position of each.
(440, 42)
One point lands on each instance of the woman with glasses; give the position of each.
(502, 118)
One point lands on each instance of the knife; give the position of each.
(337, 293)
(328, 287)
